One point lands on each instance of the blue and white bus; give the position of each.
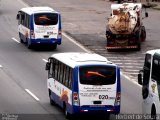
(84, 83)
(39, 25)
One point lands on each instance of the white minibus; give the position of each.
(84, 83)
(39, 25)
(149, 78)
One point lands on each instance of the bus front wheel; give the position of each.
(29, 44)
(67, 115)
(50, 99)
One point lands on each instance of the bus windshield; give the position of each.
(46, 19)
(97, 75)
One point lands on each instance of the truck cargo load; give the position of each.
(125, 28)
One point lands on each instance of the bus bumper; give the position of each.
(46, 41)
(96, 110)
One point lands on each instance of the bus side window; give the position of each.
(53, 68)
(156, 69)
(50, 72)
(22, 18)
(64, 74)
(56, 69)
(61, 72)
(70, 78)
(67, 76)
(147, 65)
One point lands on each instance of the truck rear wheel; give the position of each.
(143, 34)
(138, 46)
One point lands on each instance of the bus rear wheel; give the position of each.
(107, 116)
(153, 113)
(54, 46)
(21, 41)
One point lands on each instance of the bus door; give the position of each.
(97, 86)
(46, 25)
(155, 81)
(145, 86)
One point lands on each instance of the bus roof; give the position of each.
(32, 10)
(73, 59)
(152, 52)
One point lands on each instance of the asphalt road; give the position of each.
(22, 69)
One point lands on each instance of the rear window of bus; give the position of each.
(97, 75)
(46, 19)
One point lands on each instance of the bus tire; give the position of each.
(107, 116)
(138, 34)
(21, 41)
(50, 99)
(29, 44)
(54, 46)
(67, 115)
(143, 34)
(138, 46)
(153, 112)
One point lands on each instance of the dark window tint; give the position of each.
(46, 19)
(61, 72)
(146, 69)
(147, 63)
(97, 75)
(156, 69)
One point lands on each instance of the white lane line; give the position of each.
(23, 3)
(117, 63)
(75, 42)
(29, 92)
(15, 40)
(129, 73)
(131, 70)
(1, 66)
(45, 60)
(138, 64)
(131, 67)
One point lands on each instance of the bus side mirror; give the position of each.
(17, 17)
(48, 65)
(140, 78)
(146, 14)
(22, 16)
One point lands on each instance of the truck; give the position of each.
(125, 29)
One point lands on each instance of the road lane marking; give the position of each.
(131, 73)
(131, 70)
(34, 96)
(23, 3)
(132, 67)
(1, 66)
(15, 40)
(45, 60)
(76, 43)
